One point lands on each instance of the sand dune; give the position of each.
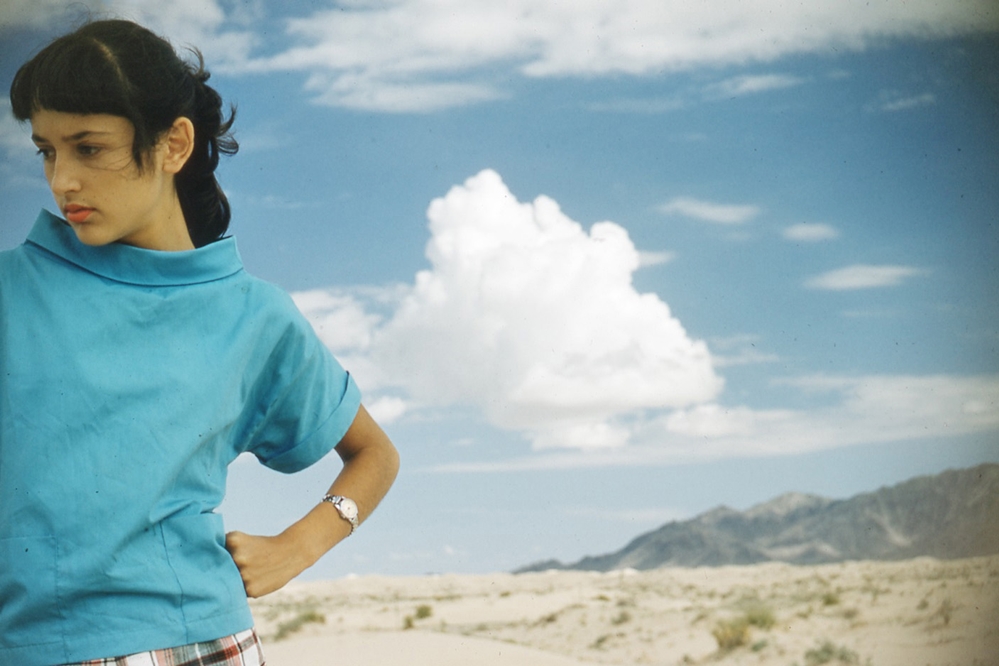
(908, 613)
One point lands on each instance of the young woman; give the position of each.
(137, 360)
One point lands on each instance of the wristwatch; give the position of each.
(347, 509)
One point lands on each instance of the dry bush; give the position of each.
(760, 616)
(945, 611)
(423, 611)
(285, 629)
(828, 652)
(731, 634)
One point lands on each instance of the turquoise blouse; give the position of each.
(129, 380)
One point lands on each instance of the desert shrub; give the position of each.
(830, 599)
(622, 617)
(285, 629)
(760, 616)
(731, 634)
(945, 611)
(828, 652)
(423, 611)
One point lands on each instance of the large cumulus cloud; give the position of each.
(527, 316)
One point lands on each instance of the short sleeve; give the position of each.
(304, 400)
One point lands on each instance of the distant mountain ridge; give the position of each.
(950, 515)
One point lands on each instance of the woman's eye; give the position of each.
(87, 151)
(46, 153)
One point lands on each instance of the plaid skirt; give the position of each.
(242, 649)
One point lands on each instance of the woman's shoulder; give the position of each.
(12, 262)
(267, 297)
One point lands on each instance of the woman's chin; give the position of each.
(88, 235)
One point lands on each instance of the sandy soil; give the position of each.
(913, 613)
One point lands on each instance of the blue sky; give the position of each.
(597, 266)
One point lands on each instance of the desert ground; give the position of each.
(909, 613)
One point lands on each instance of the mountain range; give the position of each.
(950, 515)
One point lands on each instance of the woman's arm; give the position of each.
(370, 464)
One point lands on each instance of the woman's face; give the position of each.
(99, 187)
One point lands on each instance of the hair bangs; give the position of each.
(78, 76)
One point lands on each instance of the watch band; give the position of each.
(347, 509)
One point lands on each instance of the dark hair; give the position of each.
(120, 68)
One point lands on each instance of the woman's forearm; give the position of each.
(370, 465)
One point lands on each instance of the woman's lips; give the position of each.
(78, 214)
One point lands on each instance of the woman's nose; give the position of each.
(63, 176)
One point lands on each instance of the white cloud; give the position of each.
(727, 89)
(862, 276)
(365, 47)
(650, 106)
(198, 23)
(739, 350)
(892, 101)
(862, 410)
(366, 92)
(810, 232)
(614, 514)
(707, 211)
(655, 258)
(857, 410)
(748, 85)
(31, 13)
(339, 319)
(421, 55)
(529, 318)
(387, 409)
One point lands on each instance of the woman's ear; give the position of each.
(178, 144)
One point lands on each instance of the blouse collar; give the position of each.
(133, 265)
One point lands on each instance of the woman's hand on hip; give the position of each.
(265, 563)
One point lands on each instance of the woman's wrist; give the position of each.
(316, 534)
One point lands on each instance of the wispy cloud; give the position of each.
(708, 211)
(730, 88)
(646, 259)
(894, 101)
(413, 55)
(647, 516)
(810, 232)
(354, 52)
(225, 39)
(856, 410)
(650, 106)
(749, 85)
(739, 350)
(32, 13)
(862, 276)
(263, 137)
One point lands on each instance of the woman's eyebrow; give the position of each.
(72, 137)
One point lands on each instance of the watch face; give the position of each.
(348, 508)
